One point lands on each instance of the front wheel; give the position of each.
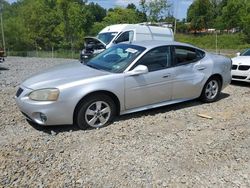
(95, 111)
(211, 90)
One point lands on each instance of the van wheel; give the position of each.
(211, 90)
(95, 111)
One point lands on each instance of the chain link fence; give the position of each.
(46, 54)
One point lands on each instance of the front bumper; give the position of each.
(240, 75)
(43, 112)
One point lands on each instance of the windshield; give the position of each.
(117, 58)
(106, 37)
(246, 53)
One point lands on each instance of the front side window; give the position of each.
(106, 37)
(156, 59)
(117, 58)
(185, 55)
(125, 37)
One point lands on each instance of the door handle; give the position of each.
(201, 68)
(166, 76)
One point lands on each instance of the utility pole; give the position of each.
(1, 17)
(176, 14)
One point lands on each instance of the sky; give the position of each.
(179, 6)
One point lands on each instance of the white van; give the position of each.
(114, 34)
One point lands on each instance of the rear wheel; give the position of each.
(211, 90)
(95, 111)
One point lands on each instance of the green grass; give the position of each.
(228, 44)
(225, 41)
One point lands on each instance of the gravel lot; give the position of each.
(164, 147)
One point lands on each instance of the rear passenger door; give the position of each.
(188, 77)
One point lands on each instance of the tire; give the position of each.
(211, 90)
(95, 112)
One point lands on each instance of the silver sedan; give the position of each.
(123, 79)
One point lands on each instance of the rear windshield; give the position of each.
(246, 53)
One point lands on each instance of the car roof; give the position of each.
(149, 44)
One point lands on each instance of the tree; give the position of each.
(200, 14)
(131, 6)
(121, 15)
(245, 19)
(154, 9)
(142, 17)
(236, 7)
(98, 12)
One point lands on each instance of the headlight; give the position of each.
(44, 95)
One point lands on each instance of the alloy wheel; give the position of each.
(212, 89)
(97, 114)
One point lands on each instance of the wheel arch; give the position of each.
(218, 76)
(108, 93)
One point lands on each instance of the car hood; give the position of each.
(62, 74)
(93, 40)
(241, 59)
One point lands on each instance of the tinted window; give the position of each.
(246, 53)
(185, 55)
(125, 37)
(156, 59)
(106, 37)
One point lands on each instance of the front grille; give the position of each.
(240, 77)
(234, 67)
(19, 92)
(244, 67)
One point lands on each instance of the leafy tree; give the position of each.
(131, 6)
(16, 35)
(98, 12)
(120, 15)
(154, 9)
(231, 13)
(245, 19)
(142, 17)
(200, 14)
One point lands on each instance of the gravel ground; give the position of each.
(164, 147)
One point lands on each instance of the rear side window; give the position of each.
(186, 55)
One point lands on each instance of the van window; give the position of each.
(106, 37)
(125, 37)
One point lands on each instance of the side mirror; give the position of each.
(138, 70)
(238, 54)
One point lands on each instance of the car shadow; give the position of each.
(55, 129)
(239, 83)
(168, 108)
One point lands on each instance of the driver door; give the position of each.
(153, 87)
